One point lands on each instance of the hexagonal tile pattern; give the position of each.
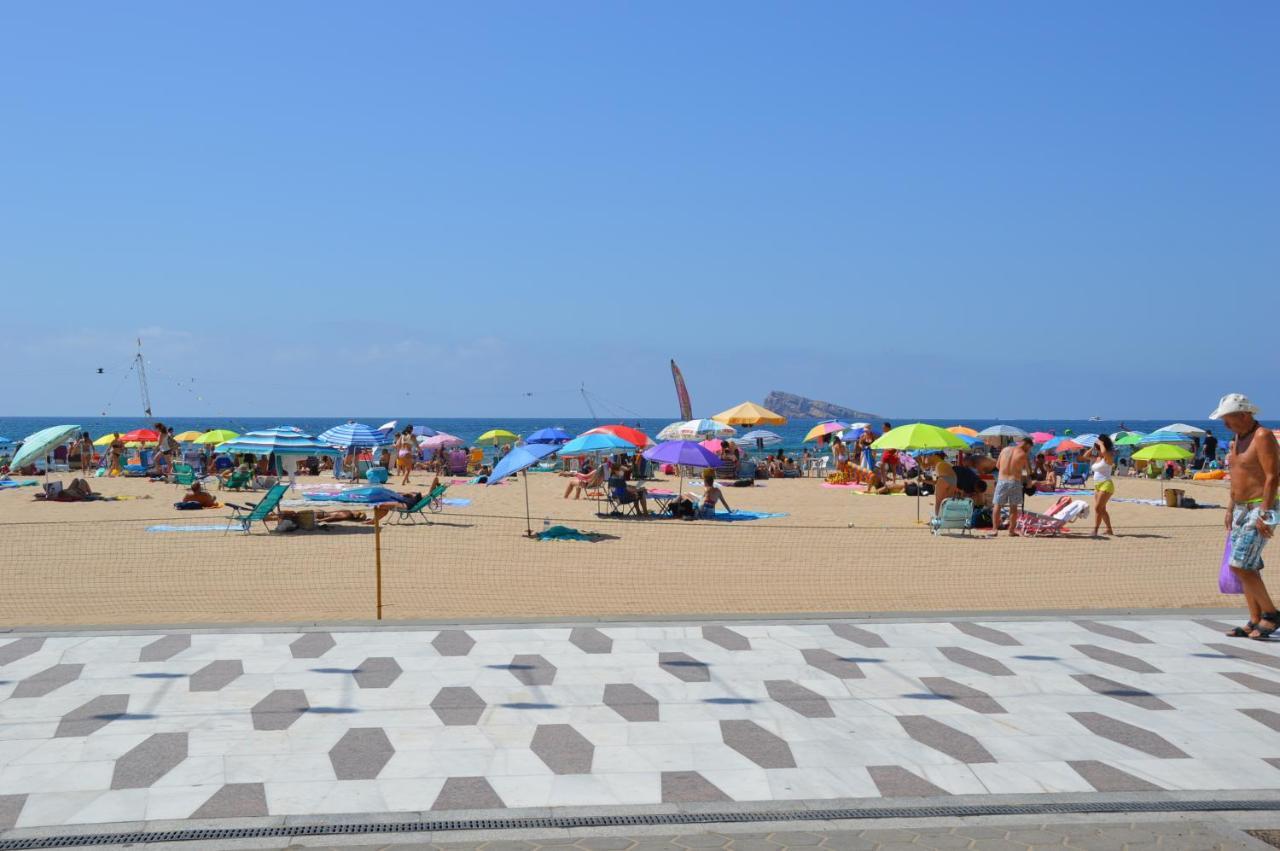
(467, 793)
(453, 642)
(458, 706)
(799, 699)
(976, 661)
(986, 633)
(684, 667)
(631, 702)
(312, 645)
(1108, 778)
(92, 716)
(590, 640)
(1130, 735)
(563, 749)
(216, 675)
(963, 695)
(532, 670)
(682, 787)
(1120, 660)
(235, 800)
(726, 638)
(40, 684)
(361, 753)
(377, 672)
(765, 749)
(894, 781)
(279, 709)
(146, 763)
(1121, 691)
(858, 635)
(945, 739)
(19, 649)
(164, 648)
(1116, 632)
(828, 662)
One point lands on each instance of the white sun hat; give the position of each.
(1233, 403)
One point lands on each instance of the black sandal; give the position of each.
(1263, 633)
(1243, 631)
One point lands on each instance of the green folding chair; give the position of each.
(245, 516)
(430, 502)
(236, 481)
(184, 475)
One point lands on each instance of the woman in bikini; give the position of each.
(1104, 455)
(405, 446)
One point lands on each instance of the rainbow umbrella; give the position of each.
(826, 429)
(634, 436)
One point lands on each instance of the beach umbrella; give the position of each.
(353, 435)
(1130, 438)
(1163, 437)
(281, 440)
(1052, 444)
(1183, 428)
(825, 429)
(715, 444)
(547, 435)
(970, 439)
(760, 437)
(682, 453)
(216, 436)
(918, 436)
(1041, 436)
(964, 430)
(1068, 444)
(142, 435)
(694, 429)
(39, 444)
(105, 440)
(1085, 441)
(1002, 434)
(423, 431)
(521, 458)
(634, 436)
(1162, 452)
(601, 441)
(749, 413)
(187, 436)
(494, 436)
(440, 440)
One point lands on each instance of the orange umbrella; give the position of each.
(965, 430)
(141, 435)
(631, 435)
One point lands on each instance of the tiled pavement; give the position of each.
(207, 726)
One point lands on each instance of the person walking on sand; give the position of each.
(1104, 455)
(1255, 476)
(405, 449)
(1013, 466)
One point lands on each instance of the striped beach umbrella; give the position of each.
(353, 435)
(281, 440)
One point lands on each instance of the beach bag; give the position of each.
(1228, 582)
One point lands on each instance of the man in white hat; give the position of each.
(1254, 461)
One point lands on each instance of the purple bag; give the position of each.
(1228, 582)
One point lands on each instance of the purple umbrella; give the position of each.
(683, 452)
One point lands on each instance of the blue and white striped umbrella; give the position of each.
(1086, 440)
(1164, 437)
(355, 436)
(281, 440)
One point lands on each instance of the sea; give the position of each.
(792, 434)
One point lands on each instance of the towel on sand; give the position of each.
(170, 528)
(739, 515)
(565, 533)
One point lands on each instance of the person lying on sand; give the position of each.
(877, 484)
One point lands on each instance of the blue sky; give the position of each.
(934, 209)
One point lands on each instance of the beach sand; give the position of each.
(95, 563)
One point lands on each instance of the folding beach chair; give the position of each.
(184, 475)
(236, 481)
(618, 502)
(1053, 522)
(245, 515)
(430, 502)
(955, 513)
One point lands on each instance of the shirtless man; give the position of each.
(1255, 474)
(1013, 466)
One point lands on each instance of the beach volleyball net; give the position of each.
(477, 567)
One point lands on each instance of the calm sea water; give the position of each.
(15, 428)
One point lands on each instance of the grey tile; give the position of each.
(1121, 691)
(1272, 761)
(1244, 654)
(757, 744)
(1265, 686)
(588, 639)
(1108, 778)
(681, 787)
(1116, 632)
(164, 648)
(1138, 738)
(682, 666)
(377, 672)
(987, 633)
(235, 800)
(963, 695)
(278, 710)
(605, 843)
(40, 684)
(1120, 660)
(894, 781)
(948, 740)
(631, 702)
(458, 706)
(94, 715)
(216, 676)
(976, 661)
(799, 699)
(1265, 717)
(467, 793)
(563, 749)
(858, 635)
(1217, 626)
(20, 649)
(10, 808)
(533, 670)
(726, 638)
(312, 645)
(453, 642)
(701, 840)
(361, 753)
(147, 762)
(836, 666)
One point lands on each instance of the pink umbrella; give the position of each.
(1041, 436)
(714, 444)
(440, 440)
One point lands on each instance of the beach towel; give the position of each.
(10, 483)
(845, 485)
(864, 492)
(460, 502)
(739, 516)
(1160, 503)
(565, 533)
(1077, 492)
(697, 483)
(222, 527)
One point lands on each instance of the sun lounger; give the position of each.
(184, 475)
(430, 502)
(236, 481)
(246, 515)
(955, 513)
(1054, 521)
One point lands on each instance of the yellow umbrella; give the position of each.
(749, 413)
(216, 436)
(106, 439)
(187, 436)
(495, 436)
(965, 430)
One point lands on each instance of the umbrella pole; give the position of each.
(528, 524)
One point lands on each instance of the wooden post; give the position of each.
(377, 555)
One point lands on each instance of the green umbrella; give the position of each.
(918, 436)
(36, 446)
(1162, 452)
(1129, 438)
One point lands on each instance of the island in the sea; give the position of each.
(792, 406)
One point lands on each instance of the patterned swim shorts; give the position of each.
(1246, 541)
(1009, 492)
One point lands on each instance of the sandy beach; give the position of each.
(834, 551)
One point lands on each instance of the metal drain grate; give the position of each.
(85, 840)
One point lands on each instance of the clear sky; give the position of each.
(924, 208)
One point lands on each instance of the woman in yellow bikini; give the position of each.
(1104, 455)
(405, 448)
